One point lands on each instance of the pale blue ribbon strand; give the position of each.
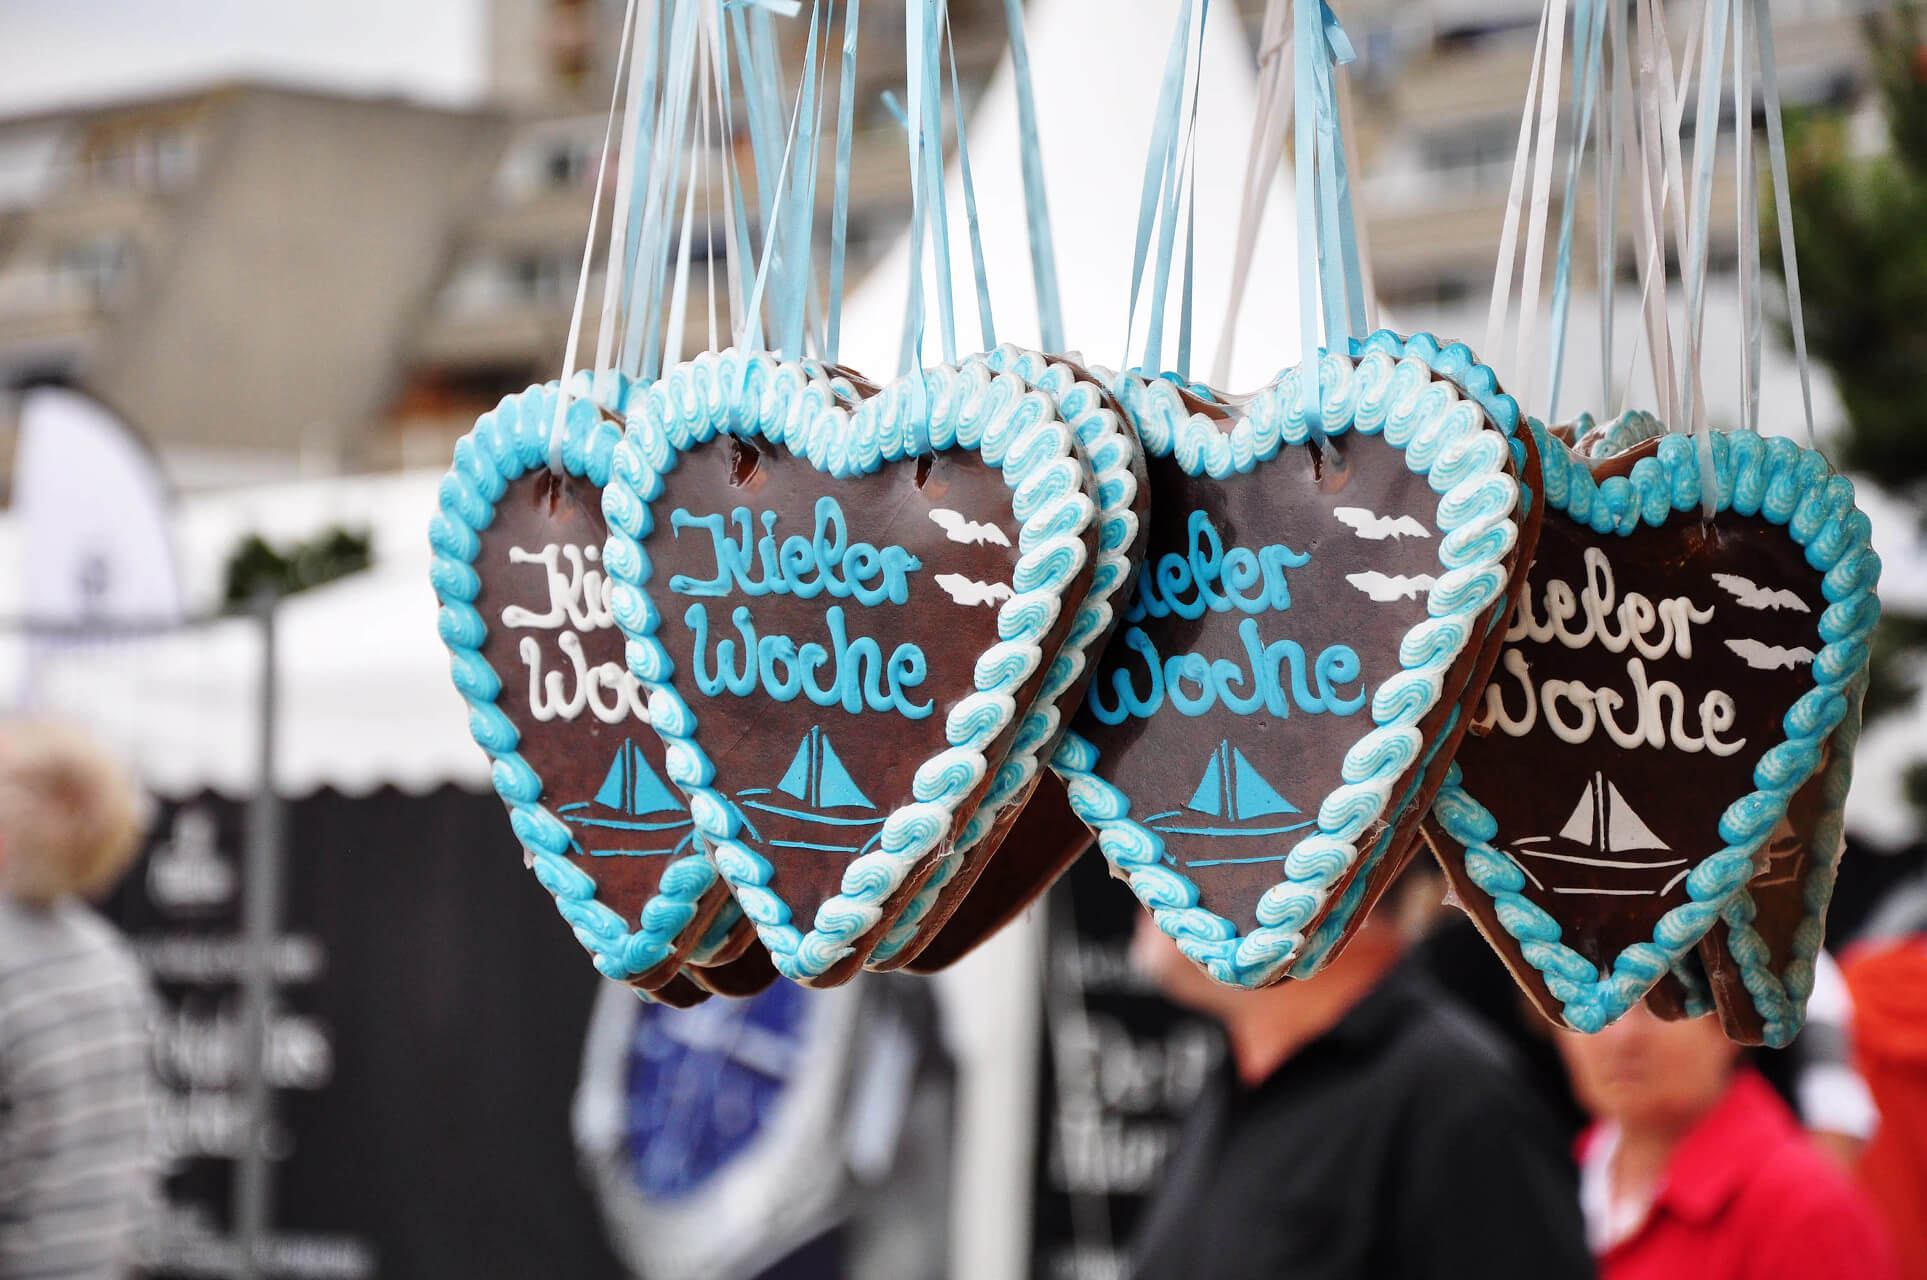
(1157, 160)
(1176, 159)
(1043, 252)
(559, 425)
(1589, 20)
(986, 325)
(1783, 202)
(840, 210)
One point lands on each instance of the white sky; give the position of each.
(59, 52)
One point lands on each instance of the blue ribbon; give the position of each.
(1327, 234)
(1783, 202)
(840, 213)
(1157, 161)
(987, 327)
(1589, 19)
(1043, 252)
(1176, 161)
(790, 301)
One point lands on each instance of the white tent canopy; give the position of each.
(363, 690)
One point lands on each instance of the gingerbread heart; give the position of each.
(534, 650)
(1394, 851)
(840, 616)
(1311, 609)
(728, 960)
(999, 887)
(1667, 688)
(1758, 958)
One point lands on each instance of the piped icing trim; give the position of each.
(1456, 363)
(1785, 485)
(506, 444)
(1781, 998)
(752, 395)
(1440, 436)
(1110, 450)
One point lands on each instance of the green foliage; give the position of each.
(1860, 222)
(256, 569)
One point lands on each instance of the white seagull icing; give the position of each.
(969, 591)
(1383, 588)
(1762, 656)
(959, 528)
(1377, 528)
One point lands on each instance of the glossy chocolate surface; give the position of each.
(1606, 831)
(1231, 794)
(815, 783)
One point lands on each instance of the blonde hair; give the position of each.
(71, 817)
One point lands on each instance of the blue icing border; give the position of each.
(1781, 998)
(1110, 448)
(1786, 485)
(1456, 363)
(505, 444)
(1465, 464)
(754, 394)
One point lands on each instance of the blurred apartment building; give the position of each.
(501, 316)
(234, 269)
(268, 281)
(1440, 87)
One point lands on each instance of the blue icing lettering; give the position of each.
(1208, 577)
(758, 564)
(1193, 684)
(860, 677)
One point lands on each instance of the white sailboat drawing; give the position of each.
(1605, 835)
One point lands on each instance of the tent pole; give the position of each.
(261, 905)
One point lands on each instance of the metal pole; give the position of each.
(260, 917)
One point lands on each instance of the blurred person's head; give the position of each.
(70, 814)
(1267, 1025)
(1648, 1074)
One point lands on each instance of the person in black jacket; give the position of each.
(1364, 1126)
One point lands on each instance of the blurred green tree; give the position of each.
(255, 568)
(1860, 222)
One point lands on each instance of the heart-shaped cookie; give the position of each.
(1757, 960)
(837, 614)
(1310, 611)
(996, 886)
(1395, 849)
(728, 961)
(534, 650)
(1667, 688)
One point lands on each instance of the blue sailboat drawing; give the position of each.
(1232, 801)
(816, 805)
(632, 799)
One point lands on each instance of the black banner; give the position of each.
(424, 1050)
(1121, 1066)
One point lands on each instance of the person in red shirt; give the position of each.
(1695, 1169)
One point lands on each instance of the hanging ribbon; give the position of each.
(641, 352)
(1158, 160)
(1172, 188)
(987, 328)
(1589, 20)
(631, 158)
(1746, 226)
(1043, 253)
(556, 427)
(1327, 251)
(798, 211)
(840, 210)
(1263, 155)
(1783, 202)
